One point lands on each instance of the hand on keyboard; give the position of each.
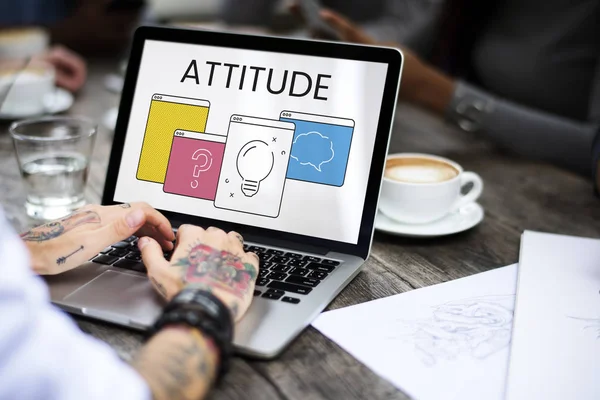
(207, 259)
(64, 244)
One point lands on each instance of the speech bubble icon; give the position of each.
(312, 149)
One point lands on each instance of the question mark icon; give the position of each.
(207, 159)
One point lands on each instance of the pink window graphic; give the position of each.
(195, 164)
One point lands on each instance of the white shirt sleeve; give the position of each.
(43, 354)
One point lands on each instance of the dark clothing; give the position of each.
(33, 12)
(545, 55)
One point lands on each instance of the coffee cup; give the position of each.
(25, 89)
(20, 43)
(421, 188)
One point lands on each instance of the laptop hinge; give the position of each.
(268, 241)
(305, 248)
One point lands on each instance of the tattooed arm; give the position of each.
(64, 244)
(207, 259)
(179, 362)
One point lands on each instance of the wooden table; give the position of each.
(519, 194)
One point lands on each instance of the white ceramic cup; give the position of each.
(28, 88)
(19, 43)
(431, 195)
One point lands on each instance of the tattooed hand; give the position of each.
(61, 245)
(209, 259)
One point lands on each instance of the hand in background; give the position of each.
(347, 30)
(421, 83)
(71, 70)
(64, 244)
(208, 259)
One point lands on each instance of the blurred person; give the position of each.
(526, 76)
(70, 67)
(595, 165)
(208, 285)
(86, 26)
(406, 21)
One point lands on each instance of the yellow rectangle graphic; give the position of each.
(163, 119)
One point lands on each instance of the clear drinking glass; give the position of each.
(53, 154)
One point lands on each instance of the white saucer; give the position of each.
(114, 83)
(58, 101)
(110, 119)
(458, 221)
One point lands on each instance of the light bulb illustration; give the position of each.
(254, 163)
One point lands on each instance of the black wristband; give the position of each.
(204, 311)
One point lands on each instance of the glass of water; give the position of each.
(53, 154)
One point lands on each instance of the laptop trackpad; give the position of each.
(118, 297)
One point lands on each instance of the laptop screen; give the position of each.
(265, 139)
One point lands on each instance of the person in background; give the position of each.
(595, 164)
(70, 67)
(75, 27)
(406, 21)
(526, 76)
(89, 27)
(207, 285)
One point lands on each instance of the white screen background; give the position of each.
(355, 92)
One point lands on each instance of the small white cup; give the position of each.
(20, 43)
(423, 202)
(28, 88)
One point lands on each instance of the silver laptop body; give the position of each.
(280, 310)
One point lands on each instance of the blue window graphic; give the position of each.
(320, 152)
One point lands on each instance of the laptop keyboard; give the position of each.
(124, 255)
(282, 275)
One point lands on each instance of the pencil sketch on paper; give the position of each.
(590, 323)
(475, 327)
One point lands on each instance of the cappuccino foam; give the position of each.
(419, 170)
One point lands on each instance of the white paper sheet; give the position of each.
(446, 341)
(556, 338)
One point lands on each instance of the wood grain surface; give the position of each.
(519, 194)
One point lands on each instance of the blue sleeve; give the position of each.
(33, 12)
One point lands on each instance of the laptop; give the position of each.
(281, 140)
